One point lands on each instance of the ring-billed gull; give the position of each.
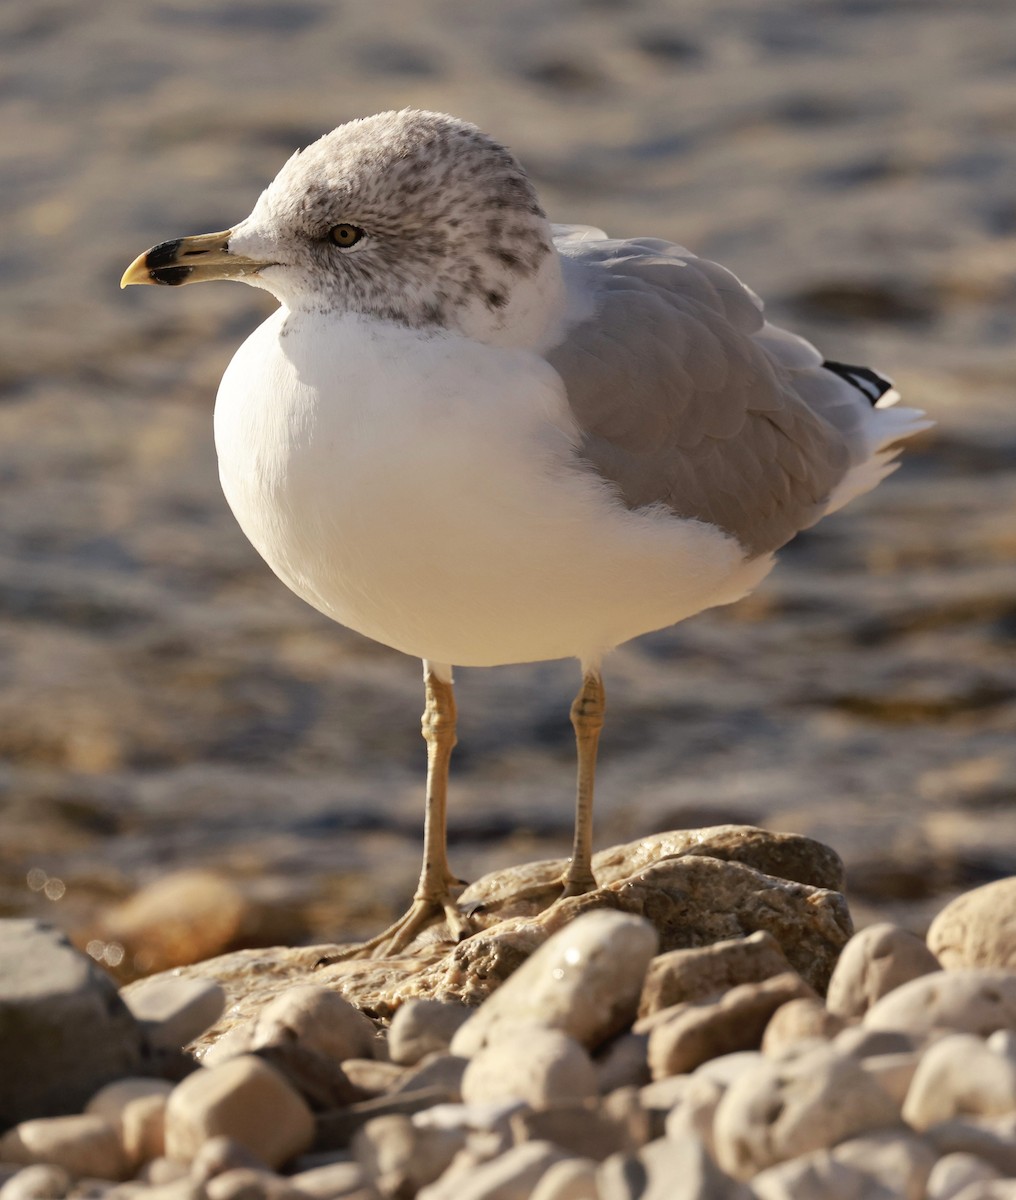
(481, 439)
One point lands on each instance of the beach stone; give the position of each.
(84, 1145)
(174, 1012)
(221, 1154)
(244, 1099)
(1003, 1041)
(667, 1169)
(444, 1071)
(373, 1077)
(64, 1030)
(725, 1068)
(623, 1062)
(992, 1189)
(861, 1043)
(321, 1081)
(695, 1112)
(570, 1179)
(624, 1108)
(894, 1072)
(335, 1129)
(511, 1176)
(975, 1000)
(990, 1138)
(41, 1181)
(578, 1129)
(400, 1158)
(320, 1020)
(797, 1020)
(537, 1065)
(245, 1183)
(778, 1110)
(876, 961)
(584, 981)
(701, 972)
(954, 1172)
(884, 1166)
(161, 1171)
(978, 928)
(959, 1076)
(422, 1027)
(143, 1128)
(689, 1035)
(330, 1180)
(112, 1100)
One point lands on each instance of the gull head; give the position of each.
(411, 217)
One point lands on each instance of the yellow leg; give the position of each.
(587, 720)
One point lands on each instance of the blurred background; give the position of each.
(192, 759)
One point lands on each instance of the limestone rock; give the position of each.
(245, 1183)
(874, 962)
(580, 1130)
(221, 1154)
(570, 1179)
(330, 1180)
(511, 1176)
(244, 1099)
(797, 1020)
(585, 981)
(695, 1112)
(690, 1034)
(174, 1012)
(976, 1000)
(529, 1063)
(623, 1062)
(978, 928)
(894, 1072)
(421, 1027)
(667, 1169)
(64, 1031)
(443, 1071)
(82, 1145)
(779, 1110)
(42, 1181)
(990, 1138)
(400, 1158)
(336, 1129)
(321, 1020)
(111, 1101)
(960, 1076)
(894, 1165)
(953, 1172)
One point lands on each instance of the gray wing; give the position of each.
(686, 398)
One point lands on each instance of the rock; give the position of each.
(174, 1012)
(623, 1062)
(330, 1180)
(960, 1076)
(244, 1183)
(422, 1027)
(400, 1158)
(64, 1031)
(953, 1172)
(336, 1129)
(82, 1145)
(861, 1043)
(978, 928)
(894, 1072)
(244, 1099)
(1003, 1041)
(874, 962)
(585, 981)
(699, 973)
(578, 1130)
(372, 1077)
(976, 1000)
(221, 1154)
(511, 1176)
(321, 1020)
(143, 1128)
(695, 1113)
(42, 1181)
(570, 1179)
(993, 1189)
(111, 1101)
(162, 1171)
(690, 1034)
(321, 1081)
(444, 1071)
(779, 1110)
(667, 1169)
(885, 1166)
(725, 1068)
(990, 1138)
(624, 1108)
(799, 1020)
(537, 1065)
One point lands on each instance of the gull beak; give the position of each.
(191, 260)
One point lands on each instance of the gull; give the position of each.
(480, 438)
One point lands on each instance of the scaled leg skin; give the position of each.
(435, 893)
(587, 720)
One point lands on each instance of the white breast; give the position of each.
(422, 489)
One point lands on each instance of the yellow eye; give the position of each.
(345, 236)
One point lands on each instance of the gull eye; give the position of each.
(345, 236)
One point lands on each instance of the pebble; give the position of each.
(953, 1172)
(442, 1071)
(111, 1101)
(143, 1128)
(83, 1145)
(245, 1183)
(422, 1027)
(173, 1011)
(967, 1001)
(536, 1065)
(569, 1179)
(778, 1110)
(667, 1169)
(321, 1021)
(874, 962)
(511, 1176)
(623, 1062)
(330, 1180)
(888, 1166)
(221, 1154)
(244, 1099)
(584, 981)
(41, 1181)
(960, 1076)
(699, 973)
(577, 1129)
(371, 1076)
(690, 1034)
(64, 1030)
(990, 1138)
(894, 1072)
(399, 1157)
(978, 928)
(797, 1020)
(695, 1112)
(993, 1189)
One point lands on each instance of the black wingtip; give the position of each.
(869, 383)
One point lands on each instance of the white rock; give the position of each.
(780, 1110)
(861, 1043)
(874, 962)
(41, 1181)
(244, 1183)
(421, 1027)
(401, 1157)
(672, 1169)
(83, 1145)
(993, 1189)
(330, 1180)
(175, 1011)
(511, 1176)
(889, 1166)
(978, 928)
(321, 1020)
(970, 1001)
(894, 1072)
(727, 1067)
(244, 1099)
(623, 1062)
(990, 1138)
(960, 1076)
(584, 981)
(143, 1128)
(110, 1101)
(953, 1172)
(1003, 1041)
(695, 1113)
(570, 1179)
(536, 1065)
(221, 1154)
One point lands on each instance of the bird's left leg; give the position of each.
(587, 719)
